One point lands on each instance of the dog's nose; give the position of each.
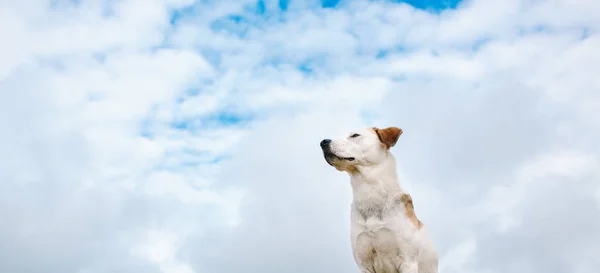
(325, 143)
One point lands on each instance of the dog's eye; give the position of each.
(354, 135)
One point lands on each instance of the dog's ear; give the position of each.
(388, 136)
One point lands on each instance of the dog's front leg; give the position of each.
(409, 267)
(366, 267)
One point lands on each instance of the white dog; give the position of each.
(386, 235)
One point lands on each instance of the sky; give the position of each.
(181, 136)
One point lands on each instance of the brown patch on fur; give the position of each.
(349, 169)
(388, 136)
(406, 199)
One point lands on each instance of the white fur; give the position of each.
(383, 238)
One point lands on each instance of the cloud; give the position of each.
(181, 136)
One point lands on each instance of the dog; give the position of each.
(386, 235)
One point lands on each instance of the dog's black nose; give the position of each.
(325, 143)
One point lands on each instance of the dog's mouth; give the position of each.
(346, 158)
(330, 155)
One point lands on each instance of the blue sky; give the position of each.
(181, 136)
(258, 15)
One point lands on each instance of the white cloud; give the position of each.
(121, 149)
(161, 248)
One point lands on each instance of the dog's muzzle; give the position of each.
(329, 155)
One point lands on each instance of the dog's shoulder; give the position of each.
(405, 200)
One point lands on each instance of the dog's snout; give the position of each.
(325, 143)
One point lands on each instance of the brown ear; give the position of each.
(388, 136)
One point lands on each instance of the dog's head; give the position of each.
(366, 147)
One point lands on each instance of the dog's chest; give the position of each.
(372, 201)
(379, 244)
(381, 231)
(370, 208)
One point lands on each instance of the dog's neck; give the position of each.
(380, 178)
